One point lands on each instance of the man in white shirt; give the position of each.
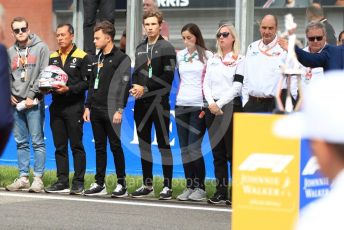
(325, 128)
(262, 68)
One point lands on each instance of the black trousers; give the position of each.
(4, 135)
(191, 130)
(255, 105)
(145, 115)
(220, 131)
(67, 125)
(106, 12)
(104, 129)
(260, 105)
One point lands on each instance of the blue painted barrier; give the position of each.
(129, 143)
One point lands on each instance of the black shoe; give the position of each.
(143, 191)
(77, 189)
(218, 198)
(120, 191)
(58, 187)
(166, 194)
(96, 190)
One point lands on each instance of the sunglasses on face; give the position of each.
(223, 34)
(318, 38)
(17, 31)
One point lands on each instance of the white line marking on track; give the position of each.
(133, 203)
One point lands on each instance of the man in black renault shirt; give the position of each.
(107, 96)
(67, 109)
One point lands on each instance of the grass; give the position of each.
(9, 174)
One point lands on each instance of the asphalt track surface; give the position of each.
(22, 210)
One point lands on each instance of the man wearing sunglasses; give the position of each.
(29, 56)
(330, 58)
(316, 36)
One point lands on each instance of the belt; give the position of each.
(261, 99)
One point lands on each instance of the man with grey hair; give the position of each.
(6, 118)
(316, 37)
(315, 12)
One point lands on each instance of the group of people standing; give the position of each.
(212, 88)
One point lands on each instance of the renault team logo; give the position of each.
(276, 162)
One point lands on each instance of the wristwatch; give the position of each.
(120, 110)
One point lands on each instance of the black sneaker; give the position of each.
(143, 191)
(58, 187)
(77, 189)
(166, 194)
(96, 190)
(229, 202)
(218, 199)
(120, 191)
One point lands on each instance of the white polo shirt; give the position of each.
(262, 69)
(191, 73)
(219, 82)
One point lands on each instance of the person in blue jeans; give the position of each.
(190, 120)
(28, 56)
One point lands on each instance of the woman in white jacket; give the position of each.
(222, 90)
(190, 122)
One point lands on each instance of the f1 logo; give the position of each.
(275, 162)
(311, 167)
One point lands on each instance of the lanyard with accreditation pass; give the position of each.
(149, 62)
(23, 61)
(99, 66)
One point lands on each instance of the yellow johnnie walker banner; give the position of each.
(265, 175)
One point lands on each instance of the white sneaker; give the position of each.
(185, 195)
(19, 184)
(166, 194)
(96, 190)
(198, 195)
(120, 191)
(37, 185)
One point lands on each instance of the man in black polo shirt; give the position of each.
(66, 111)
(107, 96)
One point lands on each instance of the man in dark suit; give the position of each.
(330, 58)
(6, 118)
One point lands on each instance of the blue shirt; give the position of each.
(330, 58)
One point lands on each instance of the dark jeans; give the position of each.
(191, 130)
(106, 12)
(67, 125)
(4, 135)
(104, 129)
(220, 130)
(145, 114)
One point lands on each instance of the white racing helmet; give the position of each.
(52, 75)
